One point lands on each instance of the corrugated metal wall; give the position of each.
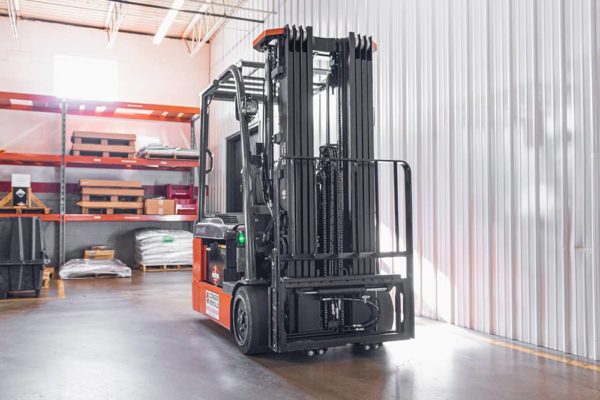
(495, 105)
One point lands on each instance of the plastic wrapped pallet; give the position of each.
(80, 268)
(163, 151)
(163, 247)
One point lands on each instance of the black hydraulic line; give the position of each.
(268, 112)
(186, 11)
(367, 324)
(327, 122)
(266, 159)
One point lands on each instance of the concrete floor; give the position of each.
(139, 339)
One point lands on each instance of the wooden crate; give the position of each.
(164, 268)
(110, 197)
(102, 144)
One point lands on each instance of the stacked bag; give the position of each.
(155, 247)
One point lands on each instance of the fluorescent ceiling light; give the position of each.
(168, 21)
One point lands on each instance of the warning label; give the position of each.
(212, 304)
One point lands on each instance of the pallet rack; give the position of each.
(126, 110)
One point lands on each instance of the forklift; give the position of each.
(300, 268)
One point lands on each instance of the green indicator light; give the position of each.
(241, 238)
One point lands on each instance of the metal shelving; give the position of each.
(127, 110)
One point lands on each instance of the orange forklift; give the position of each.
(303, 263)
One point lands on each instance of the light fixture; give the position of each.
(168, 21)
(241, 238)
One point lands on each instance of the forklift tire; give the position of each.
(249, 319)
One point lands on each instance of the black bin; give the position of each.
(24, 268)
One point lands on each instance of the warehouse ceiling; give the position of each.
(194, 21)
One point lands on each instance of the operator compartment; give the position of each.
(222, 237)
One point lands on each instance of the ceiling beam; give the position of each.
(187, 11)
(13, 9)
(198, 33)
(101, 28)
(114, 18)
(194, 21)
(250, 9)
(164, 27)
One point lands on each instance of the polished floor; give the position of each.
(139, 339)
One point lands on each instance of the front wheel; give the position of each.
(249, 319)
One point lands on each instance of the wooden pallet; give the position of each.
(103, 183)
(24, 210)
(111, 207)
(102, 144)
(110, 197)
(49, 274)
(112, 191)
(164, 268)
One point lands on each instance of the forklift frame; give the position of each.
(300, 263)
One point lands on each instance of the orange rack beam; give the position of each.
(52, 160)
(116, 109)
(41, 160)
(107, 217)
(43, 217)
(133, 163)
(128, 218)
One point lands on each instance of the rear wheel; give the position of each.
(249, 319)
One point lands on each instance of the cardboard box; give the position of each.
(105, 254)
(159, 207)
